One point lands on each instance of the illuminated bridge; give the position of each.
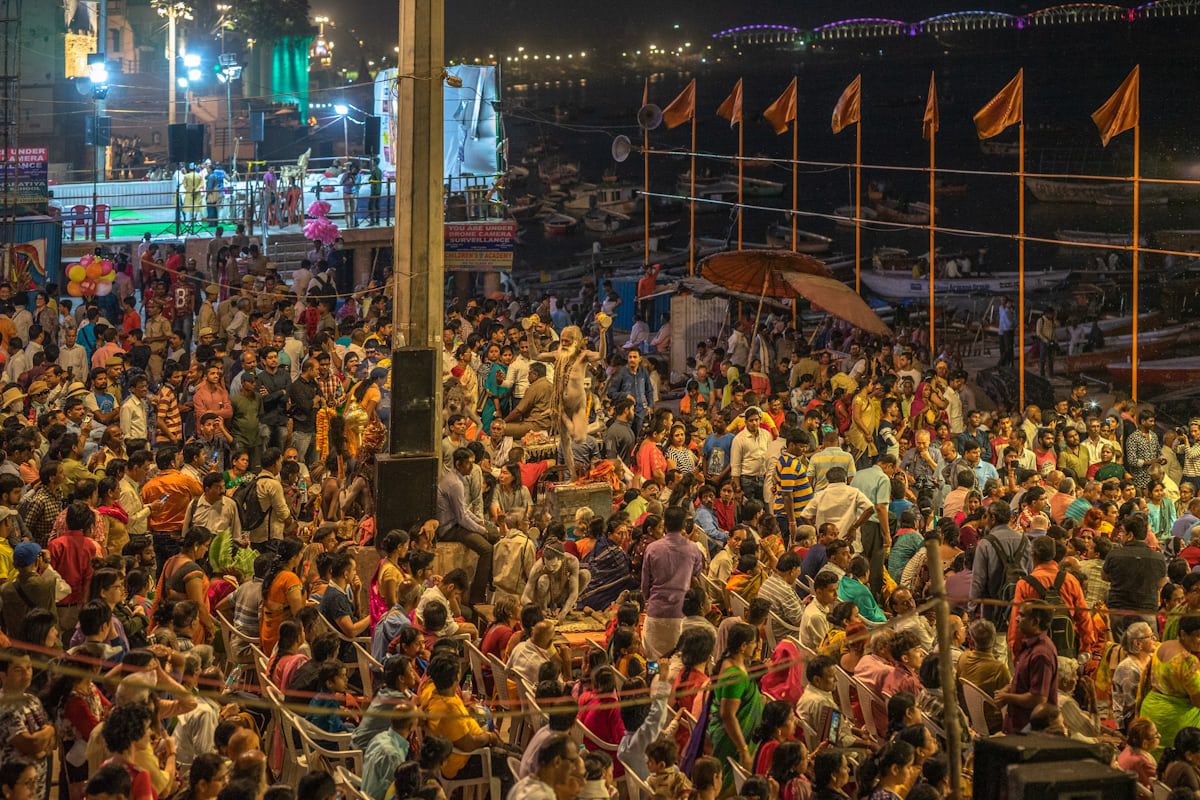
(957, 22)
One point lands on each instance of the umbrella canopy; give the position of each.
(836, 298)
(760, 272)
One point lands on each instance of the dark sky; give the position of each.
(544, 23)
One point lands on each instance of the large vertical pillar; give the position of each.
(406, 480)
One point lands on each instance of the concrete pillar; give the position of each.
(462, 283)
(364, 259)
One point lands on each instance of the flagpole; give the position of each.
(795, 158)
(932, 257)
(692, 235)
(1021, 252)
(858, 207)
(646, 187)
(741, 173)
(1137, 182)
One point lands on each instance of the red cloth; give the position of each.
(71, 556)
(785, 679)
(532, 473)
(599, 713)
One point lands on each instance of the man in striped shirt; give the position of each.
(792, 489)
(168, 415)
(829, 456)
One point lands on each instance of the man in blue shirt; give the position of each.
(1183, 526)
(706, 518)
(633, 381)
(715, 469)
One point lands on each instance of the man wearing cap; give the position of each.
(12, 402)
(30, 590)
(158, 331)
(206, 317)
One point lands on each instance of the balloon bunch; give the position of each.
(91, 277)
(320, 228)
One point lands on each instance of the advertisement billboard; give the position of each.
(472, 129)
(24, 170)
(480, 246)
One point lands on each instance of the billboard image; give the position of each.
(472, 129)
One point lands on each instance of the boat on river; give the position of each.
(559, 225)
(845, 215)
(908, 213)
(779, 235)
(1117, 326)
(1150, 345)
(1165, 372)
(899, 285)
(607, 196)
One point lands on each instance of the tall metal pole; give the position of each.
(346, 135)
(932, 242)
(858, 207)
(1021, 254)
(100, 154)
(1137, 195)
(171, 57)
(950, 719)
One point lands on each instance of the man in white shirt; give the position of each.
(213, 509)
(954, 403)
(814, 623)
(195, 729)
(517, 376)
(559, 768)
(134, 419)
(530, 654)
(639, 335)
(301, 278)
(843, 505)
(131, 492)
(749, 457)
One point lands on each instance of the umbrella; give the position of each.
(759, 272)
(782, 273)
(836, 298)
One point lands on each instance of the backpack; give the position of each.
(249, 510)
(1014, 570)
(1062, 627)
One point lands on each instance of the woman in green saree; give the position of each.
(494, 399)
(1170, 688)
(737, 703)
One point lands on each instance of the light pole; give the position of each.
(343, 111)
(191, 62)
(172, 10)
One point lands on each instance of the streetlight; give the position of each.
(173, 10)
(343, 111)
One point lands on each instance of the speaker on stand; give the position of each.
(371, 135)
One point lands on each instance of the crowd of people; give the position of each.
(198, 601)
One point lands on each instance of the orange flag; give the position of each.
(1123, 109)
(932, 120)
(731, 109)
(1003, 110)
(682, 108)
(782, 111)
(848, 110)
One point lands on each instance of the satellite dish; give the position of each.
(650, 116)
(621, 148)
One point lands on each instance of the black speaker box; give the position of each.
(97, 131)
(994, 756)
(185, 143)
(371, 135)
(258, 124)
(1069, 780)
(415, 377)
(406, 490)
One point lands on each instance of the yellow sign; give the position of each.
(78, 47)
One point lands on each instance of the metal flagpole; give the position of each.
(692, 236)
(1021, 252)
(795, 159)
(858, 207)
(932, 256)
(646, 180)
(1137, 185)
(741, 173)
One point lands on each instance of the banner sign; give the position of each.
(480, 246)
(25, 170)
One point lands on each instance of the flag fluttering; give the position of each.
(1003, 110)
(682, 108)
(731, 109)
(932, 120)
(848, 110)
(783, 111)
(1121, 112)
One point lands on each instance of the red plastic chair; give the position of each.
(80, 219)
(102, 215)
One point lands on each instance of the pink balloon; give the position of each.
(107, 266)
(103, 289)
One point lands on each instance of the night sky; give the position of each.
(472, 24)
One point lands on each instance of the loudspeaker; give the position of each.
(1069, 780)
(406, 490)
(185, 143)
(415, 379)
(97, 131)
(258, 124)
(994, 756)
(371, 135)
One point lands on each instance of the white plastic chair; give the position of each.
(775, 624)
(844, 692)
(1160, 790)
(586, 735)
(507, 703)
(477, 659)
(811, 739)
(978, 704)
(737, 604)
(351, 784)
(868, 701)
(740, 775)
(232, 638)
(635, 787)
(486, 782)
(295, 763)
(312, 741)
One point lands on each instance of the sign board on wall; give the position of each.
(480, 246)
(24, 172)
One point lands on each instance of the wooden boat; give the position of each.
(910, 214)
(600, 220)
(949, 189)
(721, 194)
(1154, 343)
(555, 171)
(845, 215)
(896, 285)
(555, 198)
(524, 208)
(657, 229)
(1069, 236)
(757, 187)
(1048, 190)
(1181, 240)
(608, 196)
(1166, 372)
(779, 236)
(991, 147)
(684, 184)
(1116, 326)
(759, 161)
(559, 225)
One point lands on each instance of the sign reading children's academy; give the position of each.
(480, 246)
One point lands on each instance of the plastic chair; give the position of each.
(1160, 790)
(501, 677)
(737, 604)
(80, 218)
(514, 766)
(295, 763)
(635, 787)
(235, 639)
(740, 775)
(362, 659)
(978, 704)
(102, 215)
(844, 692)
(810, 736)
(312, 741)
(350, 783)
(777, 623)
(477, 659)
(868, 701)
(471, 786)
